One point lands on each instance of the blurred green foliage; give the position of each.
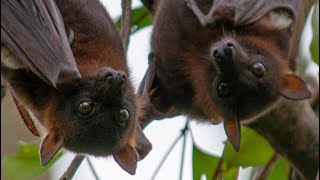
(254, 151)
(25, 165)
(280, 170)
(140, 18)
(203, 163)
(314, 47)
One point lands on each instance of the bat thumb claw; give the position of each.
(232, 128)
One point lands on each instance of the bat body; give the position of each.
(230, 65)
(81, 92)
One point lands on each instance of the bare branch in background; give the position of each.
(125, 23)
(266, 170)
(292, 129)
(73, 167)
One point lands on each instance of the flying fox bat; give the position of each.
(64, 64)
(230, 65)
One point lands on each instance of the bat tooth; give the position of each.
(232, 128)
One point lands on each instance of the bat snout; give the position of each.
(117, 78)
(224, 52)
(113, 77)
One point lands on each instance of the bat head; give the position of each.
(251, 76)
(97, 115)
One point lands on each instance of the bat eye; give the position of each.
(86, 108)
(123, 117)
(258, 69)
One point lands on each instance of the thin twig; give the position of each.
(263, 174)
(184, 133)
(166, 155)
(94, 172)
(218, 170)
(73, 167)
(125, 23)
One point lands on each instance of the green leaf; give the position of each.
(254, 150)
(280, 170)
(231, 174)
(314, 47)
(25, 164)
(203, 163)
(140, 18)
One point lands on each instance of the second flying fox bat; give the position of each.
(64, 64)
(222, 60)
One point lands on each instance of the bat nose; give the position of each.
(224, 51)
(116, 78)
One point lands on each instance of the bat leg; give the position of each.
(205, 20)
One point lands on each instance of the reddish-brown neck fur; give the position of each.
(96, 42)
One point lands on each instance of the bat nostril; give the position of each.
(123, 77)
(215, 53)
(224, 89)
(109, 75)
(230, 45)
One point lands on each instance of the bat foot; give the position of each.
(205, 20)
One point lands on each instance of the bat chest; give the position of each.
(176, 85)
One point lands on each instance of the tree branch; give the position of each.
(266, 170)
(218, 170)
(125, 23)
(73, 167)
(292, 129)
(184, 133)
(95, 174)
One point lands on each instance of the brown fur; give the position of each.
(98, 51)
(187, 74)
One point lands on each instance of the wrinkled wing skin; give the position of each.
(249, 11)
(33, 30)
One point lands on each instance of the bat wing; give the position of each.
(249, 11)
(34, 32)
(154, 97)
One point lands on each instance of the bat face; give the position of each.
(251, 66)
(247, 77)
(98, 115)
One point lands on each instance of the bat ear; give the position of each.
(143, 144)
(50, 145)
(127, 158)
(293, 87)
(233, 131)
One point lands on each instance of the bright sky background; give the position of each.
(160, 133)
